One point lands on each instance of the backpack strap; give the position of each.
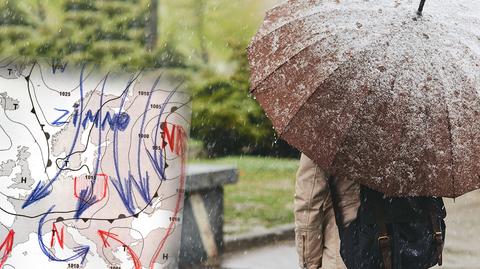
(384, 243)
(384, 239)
(437, 230)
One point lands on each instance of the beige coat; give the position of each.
(316, 232)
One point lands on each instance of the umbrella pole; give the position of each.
(420, 8)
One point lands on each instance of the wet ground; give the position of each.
(462, 244)
(281, 255)
(462, 247)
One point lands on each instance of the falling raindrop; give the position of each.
(275, 138)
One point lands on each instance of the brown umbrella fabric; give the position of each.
(374, 92)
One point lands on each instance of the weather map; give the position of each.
(92, 166)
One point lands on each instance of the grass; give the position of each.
(263, 196)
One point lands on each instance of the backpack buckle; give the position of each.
(438, 236)
(384, 241)
(384, 244)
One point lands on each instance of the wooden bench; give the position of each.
(202, 226)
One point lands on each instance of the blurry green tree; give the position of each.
(113, 33)
(16, 27)
(228, 121)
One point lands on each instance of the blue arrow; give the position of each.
(124, 189)
(157, 160)
(42, 189)
(80, 252)
(143, 187)
(99, 150)
(158, 166)
(115, 131)
(85, 200)
(86, 197)
(170, 95)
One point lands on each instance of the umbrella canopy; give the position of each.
(372, 91)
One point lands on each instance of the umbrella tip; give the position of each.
(420, 7)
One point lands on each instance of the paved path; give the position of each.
(281, 255)
(462, 244)
(462, 248)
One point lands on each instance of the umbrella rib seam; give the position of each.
(257, 84)
(450, 137)
(316, 88)
(262, 81)
(344, 138)
(290, 22)
(363, 104)
(303, 104)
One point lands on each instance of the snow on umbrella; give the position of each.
(375, 91)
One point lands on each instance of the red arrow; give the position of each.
(178, 208)
(105, 235)
(7, 244)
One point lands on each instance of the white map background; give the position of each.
(92, 167)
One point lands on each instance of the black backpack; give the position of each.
(394, 233)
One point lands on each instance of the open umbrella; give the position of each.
(375, 91)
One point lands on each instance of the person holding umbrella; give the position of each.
(380, 93)
(373, 231)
